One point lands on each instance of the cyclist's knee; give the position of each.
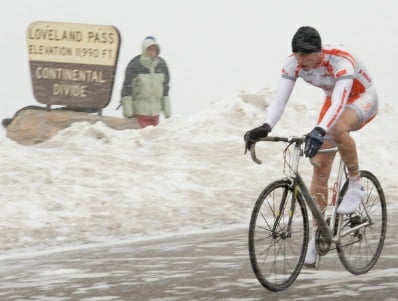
(338, 133)
(323, 162)
(347, 122)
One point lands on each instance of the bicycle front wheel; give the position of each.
(360, 249)
(278, 235)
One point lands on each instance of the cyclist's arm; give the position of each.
(278, 104)
(340, 95)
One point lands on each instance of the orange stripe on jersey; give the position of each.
(341, 105)
(356, 90)
(341, 53)
(341, 73)
(326, 105)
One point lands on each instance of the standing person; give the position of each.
(146, 86)
(350, 103)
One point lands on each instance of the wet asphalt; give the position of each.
(211, 265)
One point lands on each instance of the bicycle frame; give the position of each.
(311, 203)
(326, 229)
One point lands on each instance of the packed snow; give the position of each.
(91, 184)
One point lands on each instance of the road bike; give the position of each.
(279, 225)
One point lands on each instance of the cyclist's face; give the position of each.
(308, 61)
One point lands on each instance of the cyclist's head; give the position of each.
(306, 40)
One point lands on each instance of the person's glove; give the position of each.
(252, 136)
(313, 141)
(165, 102)
(127, 104)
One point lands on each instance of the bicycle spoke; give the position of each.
(265, 220)
(360, 250)
(277, 236)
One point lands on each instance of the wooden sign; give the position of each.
(73, 64)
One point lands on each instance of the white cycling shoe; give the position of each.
(352, 199)
(311, 256)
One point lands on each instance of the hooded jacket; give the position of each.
(146, 84)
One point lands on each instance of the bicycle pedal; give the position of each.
(310, 265)
(357, 220)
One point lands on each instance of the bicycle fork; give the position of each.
(287, 232)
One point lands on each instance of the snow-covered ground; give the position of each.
(92, 184)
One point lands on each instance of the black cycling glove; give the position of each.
(313, 141)
(252, 136)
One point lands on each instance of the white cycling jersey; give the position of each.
(340, 74)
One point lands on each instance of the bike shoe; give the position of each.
(310, 257)
(350, 203)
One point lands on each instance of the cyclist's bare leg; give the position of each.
(320, 176)
(319, 191)
(340, 132)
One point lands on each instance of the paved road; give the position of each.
(205, 266)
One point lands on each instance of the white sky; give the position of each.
(214, 48)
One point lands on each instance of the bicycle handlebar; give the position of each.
(253, 155)
(292, 139)
(299, 140)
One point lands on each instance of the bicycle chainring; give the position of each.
(322, 243)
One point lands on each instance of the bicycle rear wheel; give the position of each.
(278, 235)
(360, 250)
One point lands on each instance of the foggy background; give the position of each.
(214, 48)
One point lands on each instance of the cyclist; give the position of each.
(350, 103)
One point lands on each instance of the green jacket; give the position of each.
(146, 85)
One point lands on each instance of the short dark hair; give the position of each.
(306, 40)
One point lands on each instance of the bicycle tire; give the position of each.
(359, 251)
(277, 257)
